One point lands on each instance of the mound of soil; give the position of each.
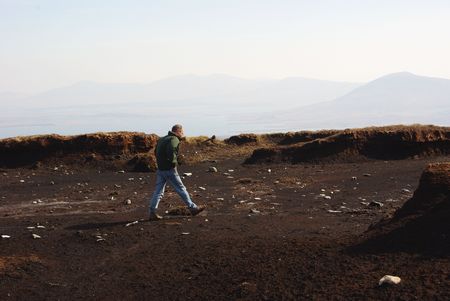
(242, 139)
(384, 143)
(423, 223)
(24, 151)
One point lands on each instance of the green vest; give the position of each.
(166, 151)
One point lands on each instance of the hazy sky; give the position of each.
(47, 44)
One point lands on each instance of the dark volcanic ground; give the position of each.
(270, 232)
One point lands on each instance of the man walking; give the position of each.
(166, 153)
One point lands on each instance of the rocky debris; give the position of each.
(334, 211)
(202, 188)
(406, 191)
(35, 236)
(4, 236)
(212, 169)
(131, 223)
(388, 279)
(354, 178)
(127, 202)
(376, 204)
(187, 174)
(255, 211)
(367, 175)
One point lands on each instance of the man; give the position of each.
(166, 153)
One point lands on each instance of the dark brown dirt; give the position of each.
(381, 143)
(270, 232)
(422, 224)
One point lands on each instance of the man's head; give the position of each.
(177, 129)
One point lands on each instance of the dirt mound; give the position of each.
(242, 139)
(384, 143)
(88, 148)
(423, 223)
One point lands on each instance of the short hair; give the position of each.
(177, 127)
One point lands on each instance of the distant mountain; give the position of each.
(394, 98)
(185, 90)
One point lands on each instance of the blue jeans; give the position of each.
(171, 176)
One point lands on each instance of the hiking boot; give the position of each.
(196, 210)
(154, 216)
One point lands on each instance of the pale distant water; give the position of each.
(199, 120)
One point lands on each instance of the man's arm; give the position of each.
(172, 151)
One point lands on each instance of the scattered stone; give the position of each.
(187, 174)
(22, 181)
(405, 190)
(35, 236)
(334, 211)
(31, 228)
(254, 211)
(212, 169)
(388, 279)
(127, 202)
(269, 170)
(367, 175)
(220, 199)
(40, 227)
(376, 204)
(34, 202)
(364, 203)
(132, 223)
(130, 179)
(257, 199)
(230, 170)
(327, 197)
(276, 182)
(52, 182)
(121, 171)
(185, 233)
(5, 236)
(117, 186)
(354, 178)
(202, 188)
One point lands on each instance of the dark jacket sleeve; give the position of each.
(172, 151)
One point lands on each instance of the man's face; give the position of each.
(180, 133)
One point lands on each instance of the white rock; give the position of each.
(35, 236)
(202, 188)
(121, 171)
(220, 199)
(187, 174)
(127, 202)
(269, 170)
(185, 233)
(132, 223)
(5, 236)
(40, 227)
(354, 178)
(230, 170)
(212, 169)
(257, 199)
(334, 211)
(388, 279)
(22, 181)
(404, 190)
